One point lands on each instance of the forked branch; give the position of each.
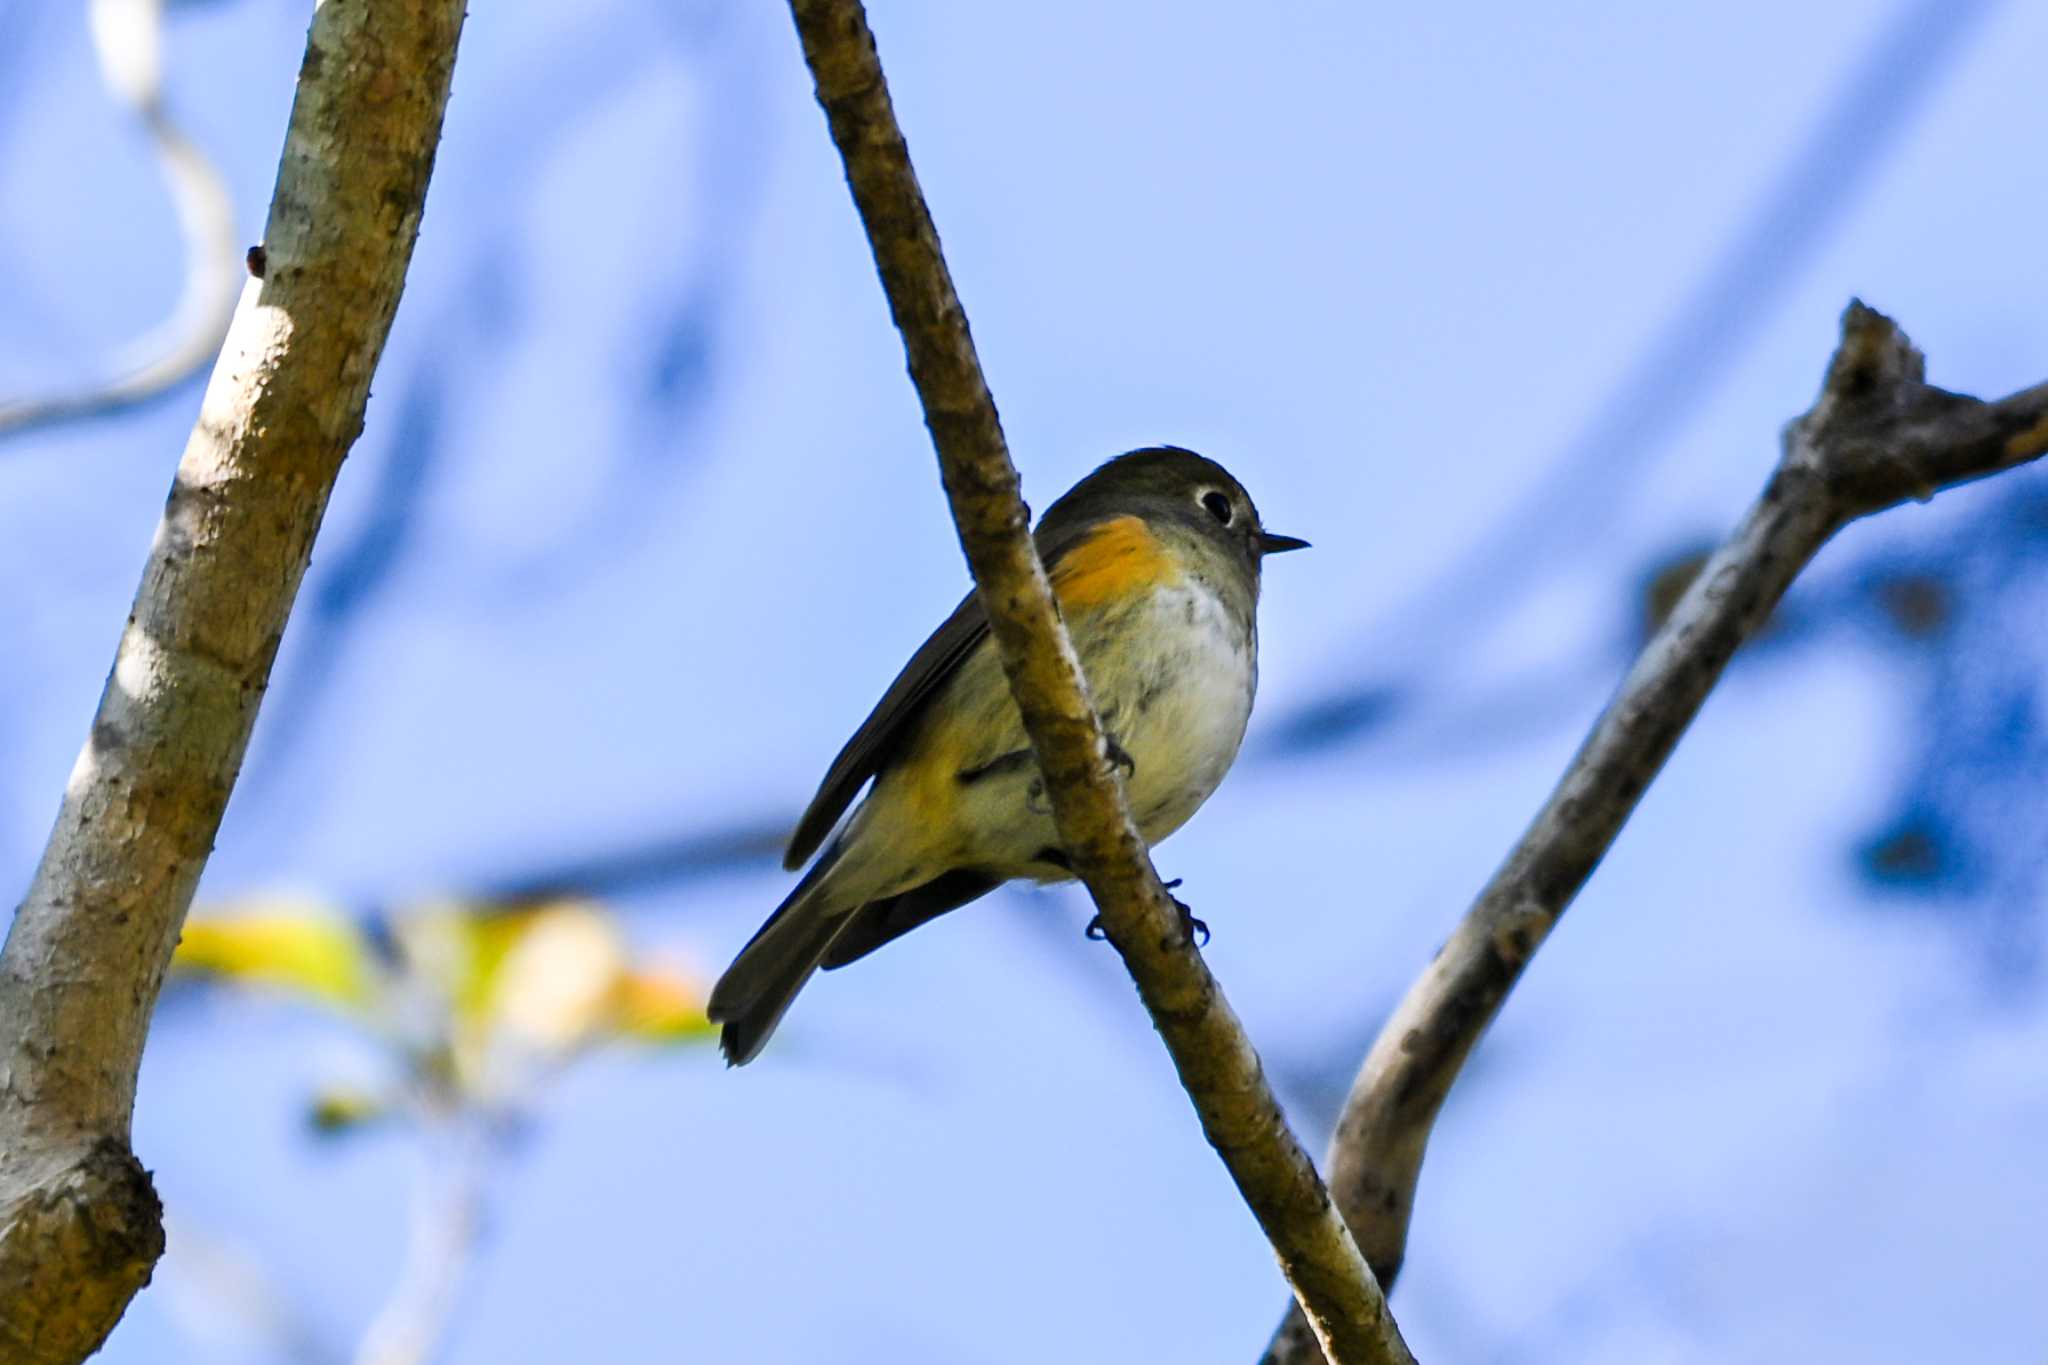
(1877, 436)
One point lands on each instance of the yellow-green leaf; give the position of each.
(304, 949)
(661, 1006)
(553, 983)
(339, 1110)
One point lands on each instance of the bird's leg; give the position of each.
(1189, 925)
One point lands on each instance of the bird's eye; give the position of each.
(1218, 506)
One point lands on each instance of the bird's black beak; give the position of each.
(1270, 544)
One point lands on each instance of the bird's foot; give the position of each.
(1189, 925)
(1119, 757)
(1192, 930)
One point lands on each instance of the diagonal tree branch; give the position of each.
(80, 1227)
(1877, 436)
(1217, 1065)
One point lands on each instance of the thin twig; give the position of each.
(215, 1288)
(128, 36)
(80, 1226)
(445, 1226)
(622, 869)
(1216, 1062)
(1877, 436)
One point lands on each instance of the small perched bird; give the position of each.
(1154, 559)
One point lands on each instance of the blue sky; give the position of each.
(644, 518)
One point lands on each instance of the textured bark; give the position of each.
(1877, 436)
(79, 1224)
(1217, 1065)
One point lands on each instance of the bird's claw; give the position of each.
(1190, 927)
(1120, 758)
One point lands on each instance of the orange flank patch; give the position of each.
(1118, 558)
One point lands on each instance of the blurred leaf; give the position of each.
(1921, 605)
(340, 1110)
(551, 984)
(306, 949)
(479, 1000)
(534, 984)
(455, 949)
(1913, 854)
(661, 1007)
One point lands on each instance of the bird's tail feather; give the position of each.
(755, 992)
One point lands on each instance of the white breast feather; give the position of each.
(1186, 739)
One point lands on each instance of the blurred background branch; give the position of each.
(128, 38)
(656, 392)
(1397, 662)
(1877, 435)
(652, 864)
(441, 1242)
